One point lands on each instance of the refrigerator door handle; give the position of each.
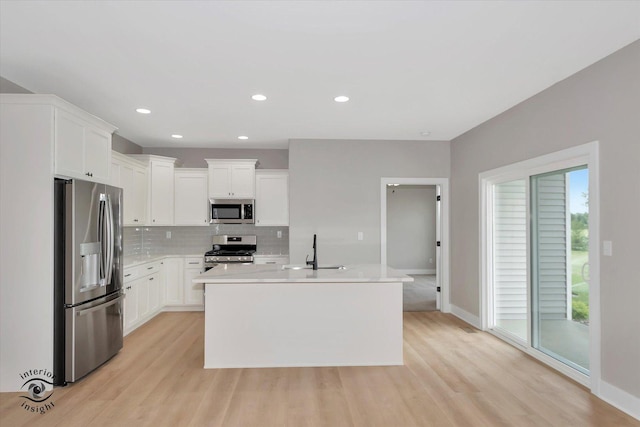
(99, 307)
(110, 241)
(101, 237)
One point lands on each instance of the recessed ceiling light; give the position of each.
(243, 137)
(176, 136)
(341, 98)
(143, 110)
(259, 97)
(425, 133)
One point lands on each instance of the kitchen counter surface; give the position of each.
(134, 261)
(358, 273)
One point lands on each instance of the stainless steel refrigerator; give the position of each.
(88, 298)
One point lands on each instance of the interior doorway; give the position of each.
(414, 238)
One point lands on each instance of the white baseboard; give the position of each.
(183, 308)
(471, 319)
(622, 400)
(417, 271)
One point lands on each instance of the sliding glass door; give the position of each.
(539, 234)
(510, 287)
(559, 265)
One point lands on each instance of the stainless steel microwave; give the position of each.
(231, 211)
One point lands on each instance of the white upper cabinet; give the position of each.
(272, 197)
(190, 197)
(82, 149)
(131, 176)
(232, 179)
(81, 142)
(160, 188)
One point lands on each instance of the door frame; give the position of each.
(442, 256)
(586, 154)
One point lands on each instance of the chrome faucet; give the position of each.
(314, 261)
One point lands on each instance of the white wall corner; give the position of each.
(471, 319)
(622, 400)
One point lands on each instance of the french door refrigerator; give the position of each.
(88, 296)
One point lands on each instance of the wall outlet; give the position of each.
(279, 234)
(607, 248)
(360, 235)
(168, 234)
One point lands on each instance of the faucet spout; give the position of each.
(314, 261)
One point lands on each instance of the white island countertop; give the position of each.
(353, 273)
(270, 316)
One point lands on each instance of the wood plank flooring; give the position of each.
(450, 378)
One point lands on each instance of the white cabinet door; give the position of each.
(133, 181)
(243, 181)
(220, 181)
(233, 179)
(193, 292)
(69, 145)
(81, 150)
(154, 288)
(131, 314)
(116, 171)
(272, 198)
(128, 197)
(161, 193)
(173, 276)
(139, 191)
(142, 286)
(97, 154)
(191, 203)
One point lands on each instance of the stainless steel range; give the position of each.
(230, 250)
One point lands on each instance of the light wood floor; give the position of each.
(450, 378)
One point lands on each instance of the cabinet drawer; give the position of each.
(278, 260)
(150, 268)
(131, 273)
(193, 262)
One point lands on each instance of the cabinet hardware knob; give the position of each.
(151, 278)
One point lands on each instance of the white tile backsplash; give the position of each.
(197, 240)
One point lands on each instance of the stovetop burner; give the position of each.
(231, 249)
(225, 252)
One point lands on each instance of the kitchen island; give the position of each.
(274, 316)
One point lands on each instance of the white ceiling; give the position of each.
(408, 67)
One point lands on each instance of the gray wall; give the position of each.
(334, 191)
(601, 102)
(411, 227)
(194, 157)
(124, 146)
(119, 144)
(7, 86)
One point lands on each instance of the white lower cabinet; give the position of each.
(143, 287)
(173, 281)
(130, 304)
(193, 292)
(161, 285)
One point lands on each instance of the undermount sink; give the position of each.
(308, 267)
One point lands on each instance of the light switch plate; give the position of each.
(279, 234)
(607, 248)
(168, 234)
(360, 235)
